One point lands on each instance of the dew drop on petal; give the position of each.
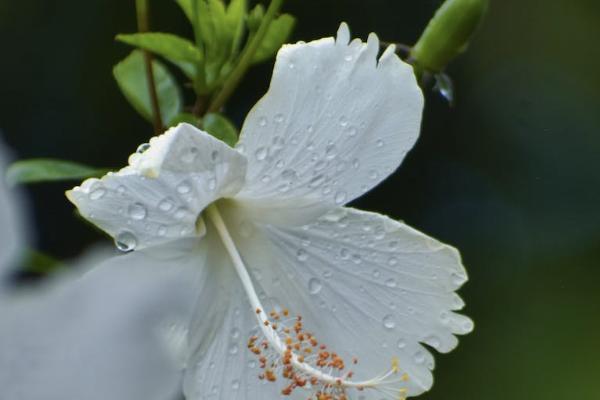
(235, 333)
(314, 286)
(137, 211)
(388, 322)
(126, 241)
(184, 188)
(391, 283)
(262, 121)
(302, 255)
(233, 349)
(392, 261)
(340, 197)
(379, 143)
(261, 153)
(343, 121)
(212, 184)
(278, 118)
(419, 357)
(352, 131)
(161, 231)
(376, 274)
(121, 190)
(142, 148)
(166, 204)
(401, 343)
(235, 384)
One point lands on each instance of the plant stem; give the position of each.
(143, 26)
(245, 59)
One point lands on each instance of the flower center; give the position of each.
(295, 354)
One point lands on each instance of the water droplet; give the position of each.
(181, 213)
(379, 143)
(235, 333)
(278, 118)
(373, 175)
(137, 211)
(215, 155)
(166, 205)
(121, 190)
(233, 349)
(419, 357)
(184, 188)
(355, 163)
(343, 121)
(392, 261)
(401, 343)
(97, 193)
(314, 286)
(468, 325)
(327, 274)
(388, 322)
(291, 65)
(340, 197)
(235, 384)
(344, 254)
(262, 121)
(211, 365)
(348, 58)
(142, 148)
(351, 131)
(125, 241)
(310, 129)
(289, 175)
(391, 283)
(376, 274)
(251, 364)
(302, 255)
(261, 153)
(356, 259)
(162, 230)
(279, 164)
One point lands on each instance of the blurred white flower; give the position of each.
(116, 332)
(265, 224)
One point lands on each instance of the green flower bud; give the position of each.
(448, 33)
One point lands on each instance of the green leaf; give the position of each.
(131, 78)
(255, 17)
(178, 50)
(184, 117)
(48, 169)
(278, 33)
(221, 128)
(236, 13)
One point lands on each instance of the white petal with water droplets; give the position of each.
(367, 286)
(334, 123)
(220, 365)
(159, 197)
(115, 333)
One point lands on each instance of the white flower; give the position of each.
(111, 333)
(266, 223)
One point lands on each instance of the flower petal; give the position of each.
(220, 365)
(367, 286)
(335, 122)
(159, 197)
(115, 333)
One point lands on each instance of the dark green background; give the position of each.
(510, 175)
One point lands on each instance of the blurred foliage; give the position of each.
(509, 175)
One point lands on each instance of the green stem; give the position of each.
(143, 26)
(245, 59)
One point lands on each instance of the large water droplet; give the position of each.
(142, 148)
(126, 241)
(388, 322)
(261, 153)
(302, 255)
(137, 211)
(314, 286)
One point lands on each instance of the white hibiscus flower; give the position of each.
(301, 296)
